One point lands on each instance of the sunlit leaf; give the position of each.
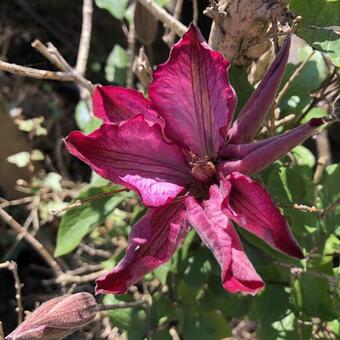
(318, 18)
(79, 221)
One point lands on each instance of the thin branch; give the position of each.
(277, 123)
(85, 37)
(324, 156)
(294, 75)
(53, 55)
(67, 278)
(131, 54)
(84, 269)
(170, 36)
(298, 271)
(19, 201)
(42, 49)
(330, 209)
(12, 266)
(195, 11)
(167, 19)
(32, 241)
(79, 203)
(34, 73)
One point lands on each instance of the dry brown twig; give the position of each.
(65, 278)
(170, 35)
(79, 203)
(35, 73)
(324, 155)
(166, 18)
(12, 266)
(131, 54)
(195, 12)
(293, 76)
(85, 37)
(51, 53)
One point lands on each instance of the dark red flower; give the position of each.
(180, 151)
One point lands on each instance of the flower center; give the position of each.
(202, 169)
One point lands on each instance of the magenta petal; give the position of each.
(152, 242)
(115, 104)
(135, 155)
(192, 93)
(219, 235)
(250, 206)
(254, 112)
(257, 156)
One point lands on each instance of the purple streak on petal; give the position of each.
(250, 206)
(152, 242)
(218, 234)
(192, 93)
(254, 112)
(135, 155)
(257, 156)
(115, 104)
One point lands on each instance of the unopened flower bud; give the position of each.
(57, 318)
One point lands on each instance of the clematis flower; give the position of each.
(190, 164)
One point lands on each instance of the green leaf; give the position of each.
(315, 297)
(20, 159)
(79, 221)
(162, 3)
(238, 78)
(315, 112)
(330, 182)
(318, 17)
(309, 79)
(303, 156)
(117, 8)
(329, 195)
(132, 320)
(288, 186)
(116, 65)
(269, 308)
(84, 119)
(201, 326)
(162, 272)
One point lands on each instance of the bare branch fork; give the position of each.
(50, 52)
